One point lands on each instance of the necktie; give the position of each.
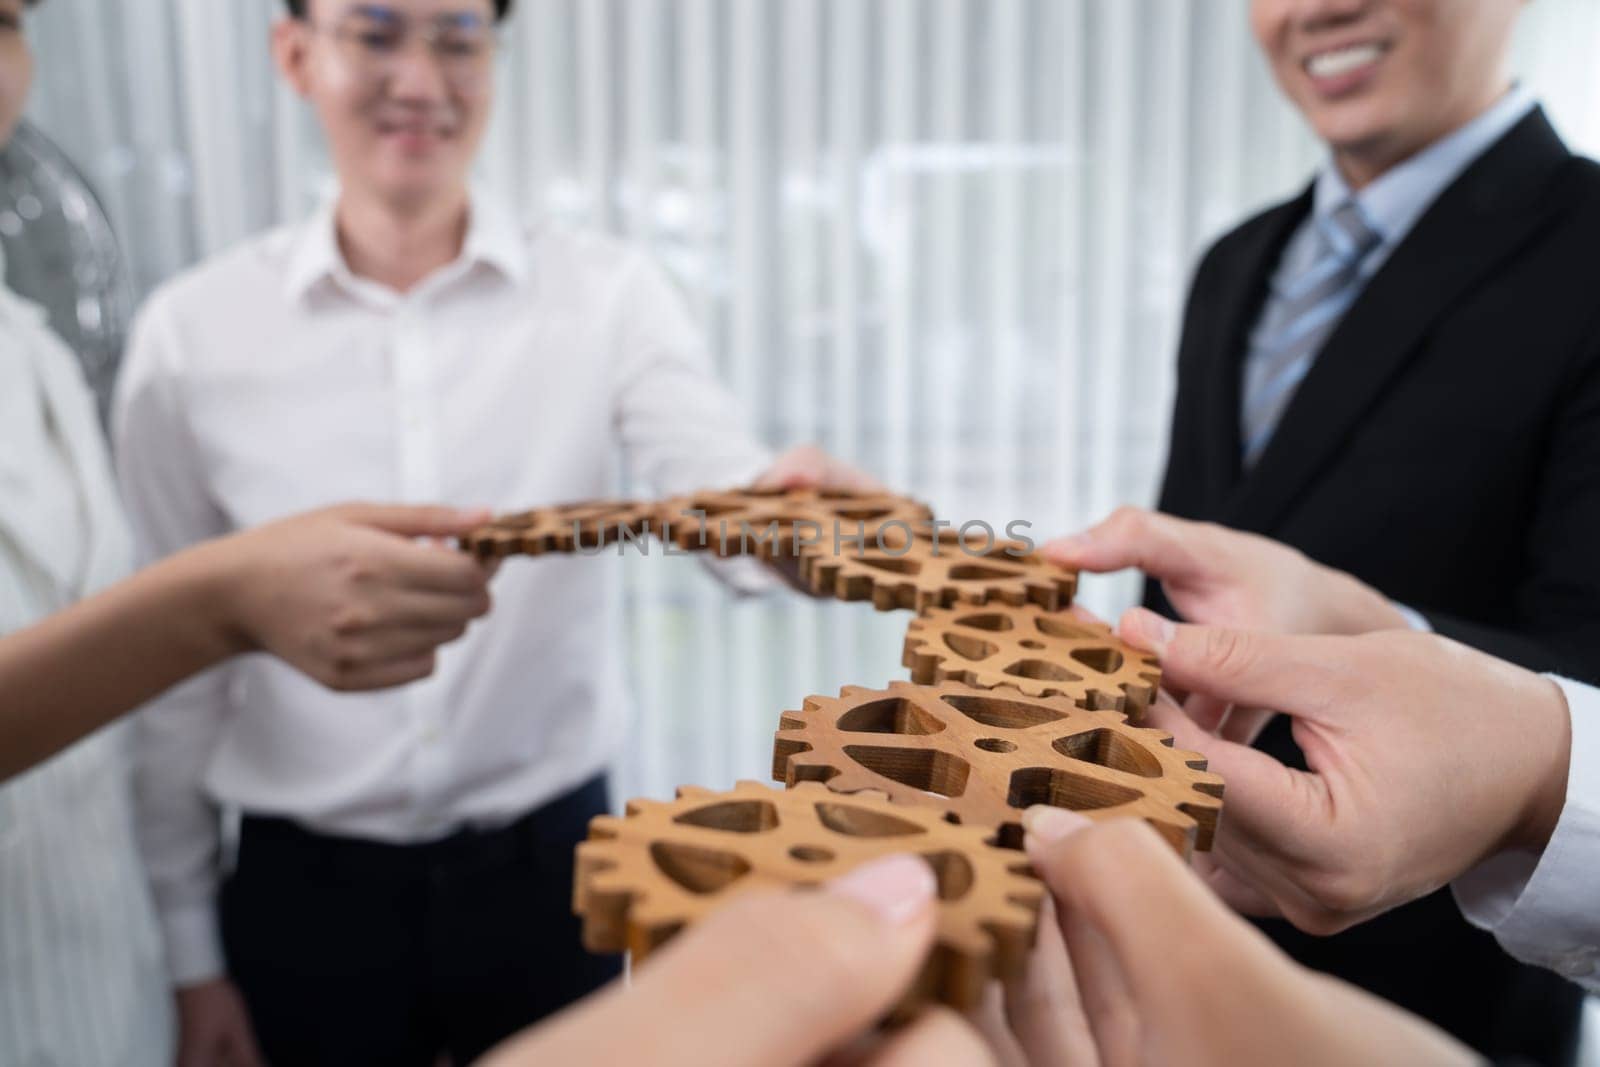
(1300, 322)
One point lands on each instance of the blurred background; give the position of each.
(946, 239)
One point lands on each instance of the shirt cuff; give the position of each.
(1541, 907)
(194, 946)
(1414, 618)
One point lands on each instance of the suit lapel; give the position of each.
(1492, 210)
(1240, 294)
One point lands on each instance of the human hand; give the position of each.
(1214, 576)
(214, 1027)
(1168, 975)
(809, 467)
(773, 978)
(1424, 758)
(348, 595)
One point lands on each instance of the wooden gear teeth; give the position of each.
(982, 756)
(643, 877)
(939, 570)
(1037, 652)
(775, 523)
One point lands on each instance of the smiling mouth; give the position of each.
(438, 131)
(1340, 62)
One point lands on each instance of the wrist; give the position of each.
(215, 600)
(1550, 726)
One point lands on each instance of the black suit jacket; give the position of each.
(1444, 448)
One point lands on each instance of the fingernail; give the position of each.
(1048, 824)
(899, 888)
(1155, 631)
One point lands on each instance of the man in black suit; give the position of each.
(1398, 374)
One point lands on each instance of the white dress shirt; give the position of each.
(81, 978)
(1545, 909)
(271, 381)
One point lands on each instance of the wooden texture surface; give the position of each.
(938, 571)
(643, 877)
(982, 756)
(1037, 652)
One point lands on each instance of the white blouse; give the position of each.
(81, 977)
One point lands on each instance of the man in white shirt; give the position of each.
(404, 869)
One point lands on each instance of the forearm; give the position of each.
(91, 663)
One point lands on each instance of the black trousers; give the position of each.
(356, 953)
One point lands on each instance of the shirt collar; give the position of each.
(1398, 199)
(494, 238)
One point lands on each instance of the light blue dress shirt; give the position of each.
(1397, 200)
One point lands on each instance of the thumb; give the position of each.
(1116, 875)
(769, 978)
(837, 961)
(1281, 672)
(416, 521)
(1265, 800)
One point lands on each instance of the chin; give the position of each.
(1353, 128)
(418, 185)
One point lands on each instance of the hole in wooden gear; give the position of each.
(994, 622)
(974, 572)
(733, 816)
(893, 565)
(1063, 626)
(892, 715)
(919, 768)
(699, 870)
(855, 821)
(953, 872)
(1033, 646)
(1041, 670)
(1064, 789)
(1105, 660)
(811, 853)
(1107, 748)
(861, 514)
(1003, 714)
(970, 647)
(995, 744)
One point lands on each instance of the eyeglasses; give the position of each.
(374, 39)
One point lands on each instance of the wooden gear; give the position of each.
(981, 756)
(561, 528)
(931, 570)
(1039, 653)
(643, 877)
(714, 521)
(1028, 709)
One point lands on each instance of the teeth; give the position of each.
(1343, 60)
